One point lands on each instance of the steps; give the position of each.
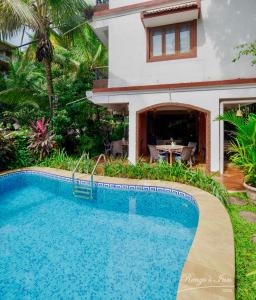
(83, 191)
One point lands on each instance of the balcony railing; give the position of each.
(101, 77)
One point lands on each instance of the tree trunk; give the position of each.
(48, 73)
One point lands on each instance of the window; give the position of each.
(184, 39)
(172, 42)
(157, 41)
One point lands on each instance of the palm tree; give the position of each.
(24, 83)
(44, 18)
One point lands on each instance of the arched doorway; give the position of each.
(181, 122)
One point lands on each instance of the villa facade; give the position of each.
(170, 67)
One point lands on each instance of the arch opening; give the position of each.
(182, 124)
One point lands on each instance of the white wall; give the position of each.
(207, 99)
(118, 3)
(224, 24)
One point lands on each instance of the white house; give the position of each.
(170, 64)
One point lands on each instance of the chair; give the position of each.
(156, 155)
(193, 145)
(108, 148)
(185, 155)
(117, 148)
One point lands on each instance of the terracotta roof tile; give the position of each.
(173, 8)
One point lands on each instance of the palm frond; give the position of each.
(14, 14)
(232, 118)
(19, 97)
(66, 11)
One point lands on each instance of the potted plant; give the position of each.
(243, 149)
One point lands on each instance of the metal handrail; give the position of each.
(93, 171)
(77, 165)
(98, 161)
(96, 165)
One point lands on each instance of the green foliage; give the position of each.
(161, 171)
(60, 160)
(2, 82)
(247, 49)
(23, 98)
(61, 123)
(23, 157)
(14, 150)
(23, 116)
(90, 144)
(23, 84)
(77, 126)
(245, 250)
(7, 151)
(118, 131)
(243, 148)
(41, 140)
(77, 51)
(46, 19)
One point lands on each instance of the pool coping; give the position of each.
(209, 271)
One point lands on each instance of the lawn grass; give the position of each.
(245, 250)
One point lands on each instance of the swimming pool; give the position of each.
(130, 242)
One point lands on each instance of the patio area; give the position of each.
(232, 179)
(173, 132)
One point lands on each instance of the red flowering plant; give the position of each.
(41, 139)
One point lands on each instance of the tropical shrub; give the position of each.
(163, 171)
(61, 127)
(61, 160)
(118, 131)
(243, 147)
(7, 151)
(41, 139)
(23, 156)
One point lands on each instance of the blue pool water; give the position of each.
(126, 244)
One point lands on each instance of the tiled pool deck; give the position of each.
(210, 267)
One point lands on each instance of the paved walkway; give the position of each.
(232, 179)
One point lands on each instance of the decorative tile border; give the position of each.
(126, 187)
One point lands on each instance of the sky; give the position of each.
(17, 39)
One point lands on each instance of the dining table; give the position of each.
(170, 149)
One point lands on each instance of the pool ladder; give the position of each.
(84, 191)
